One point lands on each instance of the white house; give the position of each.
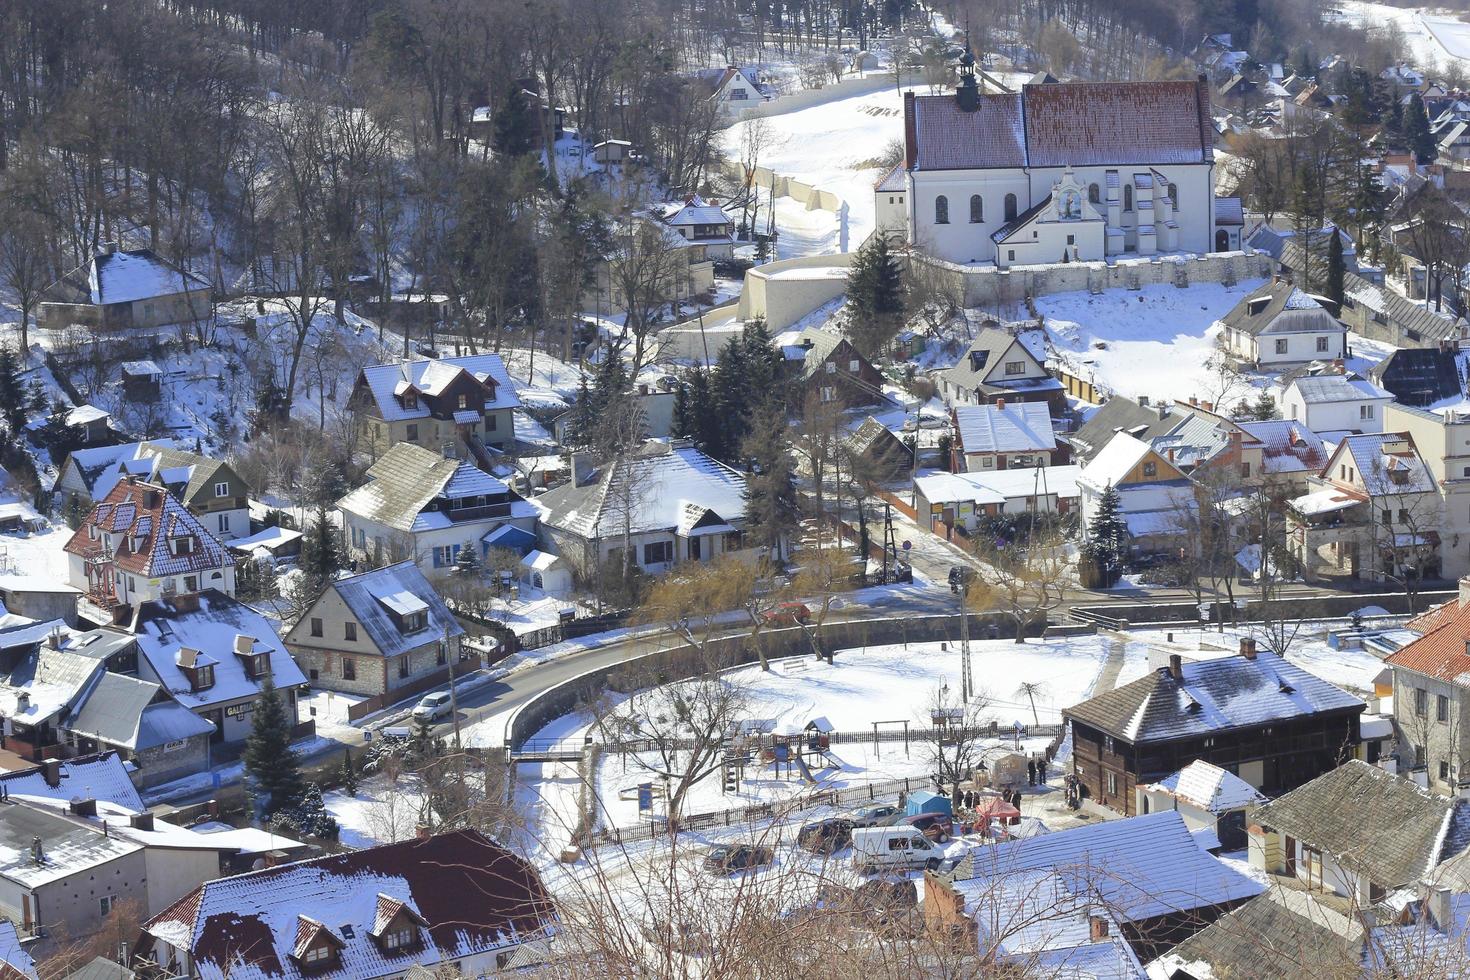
(735, 88)
(669, 502)
(701, 222)
(1336, 403)
(890, 213)
(961, 499)
(1152, 492)
(1280, 324)
(1212, 801)
(1060, 172)
(1000, 436)
(417, 504)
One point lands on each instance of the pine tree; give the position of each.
(1107, 532)
(729, 398)
(770, 486)
(1416, 130)
(349, 773)
(610, 384)
(708, 433)
(584, 416)
(272, 771)
(1264, 408)
(683, 424)
(875, 296)
(322, 554)
(515, 130)
(13, 395)
(467, 562)
(1336, 270)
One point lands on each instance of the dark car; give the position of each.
(729, 858)
(874, 816)
(825, 836)
(938, 827)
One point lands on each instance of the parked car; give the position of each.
(873, 816)
(935, 826)
(903, 848)
(786, 614)
(887, 894)
(730, 858)
(433, 707)
(825, 836)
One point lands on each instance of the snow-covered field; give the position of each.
(1429, 38)
(1153, 341)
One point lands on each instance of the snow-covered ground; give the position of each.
(382, 812)
(1429, 38)
(1154, 341)
(329, 710)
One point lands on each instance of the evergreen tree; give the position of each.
(1264, 408)
(515, 126)
(708, 432)
(875, 296)
(1416, 130)
(610, 383)
(272, 771)
(729, 396)
(1107, 533)
(770, 485)
(584, 415)
(1336, 270)
(683, 424)
(467, 562)
(322, 554)
(349, 773)
(13, 395)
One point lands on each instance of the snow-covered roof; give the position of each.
(127, 276)
(268, 538)
(1014, 427)
(1324, 502)
(1324, 389)
(164, 628)
(146, 519)
(68, 846)
(1138, 867)
(13, 956)
(94, 777)
(1287, 446)
(408, 484)
(387, 382)
(1115, 461)
(658, 482)
(375, 598)
(1208, 787)
(1387, 464)
(463, 894)
(694, 211)
(1000, 485)
(540, 561)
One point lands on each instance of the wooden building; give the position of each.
(1255, 715)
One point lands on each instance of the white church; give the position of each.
(1059, 172)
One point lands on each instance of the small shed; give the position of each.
(511, 538)
(142, 381)
(273, 542)
(549, 573)
(612, 151)
(923, 801)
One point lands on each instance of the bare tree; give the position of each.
(956, 743)
(24, 264)
(1025, 579)
(647, 270)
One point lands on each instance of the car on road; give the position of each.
(787, 614)
(825, 836)
(433, 707)
(729, 859)
(874, 816)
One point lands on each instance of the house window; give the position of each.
(658, 552)
(1010, 255)
(1127, 197)
(349, 669)
(1150, 469)
(1321, 345)
(106, 903)
(349, 632)
(1245, 468)
(1365, 411)
(398, 939)
(1015, 367)
(224, 522)
(830, 367)
(441, 656)
(316, 626)
(490, 423)
(1174, 194)
(1281, 346)
(1387, 516)
(1094, 196)
(977, 209)
(1444, 771)
(1441, 708)
(829, 394)
(941, 210)
(403, 666)
(191, 583)
(222, 489)
(1403, 516)
(854, 365)
(318, 954)
(464, 401)
(1421, 701)
(412, 433)
(1108, 745)
(205, 674)
(1112, 784)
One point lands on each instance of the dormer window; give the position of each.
(399, 938)
(318, 955)
(178, 546)
(414, 622)
(203, 677)
(410, 399)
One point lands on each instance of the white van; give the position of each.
(904, 848)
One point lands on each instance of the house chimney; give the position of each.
(1163, 412)
(1171, 454)
(1193, 400)
(1097, 928)
(422, 832)
(1143, 401)
(83, 808)
(1338, 365)
(1207, 406)
(51, 772)
(1438, 903)
(38, 853)
(1000, 404)
(141, 821)
(1176, 667)
(1248, 647)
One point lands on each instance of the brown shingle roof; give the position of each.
(1441, 651)
(1100, 123)
(993, 136)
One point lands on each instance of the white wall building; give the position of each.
(1336, 403)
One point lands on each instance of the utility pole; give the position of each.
(449, 658)
(960, 577)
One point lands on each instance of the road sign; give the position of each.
(908, 546)
(645, 796)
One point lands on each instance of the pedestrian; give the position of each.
(1041, 772)
(1031, 772)
(959, 798)
(969, 799)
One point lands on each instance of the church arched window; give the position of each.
(977, 209)
(1010, 207)
(941, 210)
(1094, 194)
(1127, 197)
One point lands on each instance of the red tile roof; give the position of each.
(1441, 651)
(151, 516)
(1072, 124)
